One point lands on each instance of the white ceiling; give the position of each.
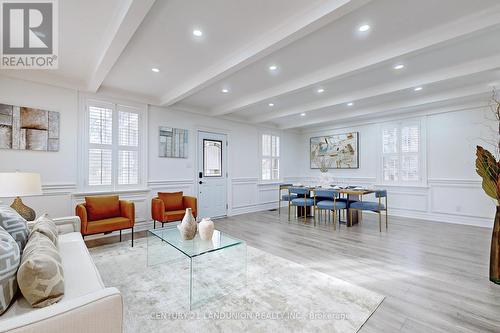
(449, 47)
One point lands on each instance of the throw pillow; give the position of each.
(172, 201)
(102, 207)
(40, 275)
(46, 226)
(9, 262)
(15, 225)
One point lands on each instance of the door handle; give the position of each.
(200, 182)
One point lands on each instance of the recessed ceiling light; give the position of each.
(399, 66)
(225, 91)
(156, 70)
(320, 90)
(197, 33)
(364, 27)
(273, 67)
(303, 114)
(350, 104)
(271, 104)
(418, 88)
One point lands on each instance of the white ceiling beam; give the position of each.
(426, 40)
(394, 107)
(118, 35)
(292, 30)
(450, 73)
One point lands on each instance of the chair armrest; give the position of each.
(127, 210)
(190, 202)
(98, 312)
(157, 209)
(67, 224)
(81, 212)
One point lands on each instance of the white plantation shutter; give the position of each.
(113, 145)
(401, 152)
(270, 157)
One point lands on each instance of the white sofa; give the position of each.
(87, 305)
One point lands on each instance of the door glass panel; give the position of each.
(212, 158)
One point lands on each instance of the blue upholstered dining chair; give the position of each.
(326, 200)
(377, 207)
(285, 197)
(302, 200)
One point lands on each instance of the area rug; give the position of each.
(278, 296)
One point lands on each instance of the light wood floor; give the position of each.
(434, 275)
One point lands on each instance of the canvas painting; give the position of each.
(173, 142)
(28, 128)
(338, 151)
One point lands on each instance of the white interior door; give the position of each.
(212, 175)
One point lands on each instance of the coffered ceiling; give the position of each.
(282, 63)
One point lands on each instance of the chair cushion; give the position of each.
(285, 197)
(40, 276)
(328, 204)
(105, 225)
(174, 215)
(11, 257)
(303, 202)
(15, 225)
(102, 207)
(172, 201)
(367, 205)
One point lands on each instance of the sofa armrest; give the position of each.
(81, 212)
(97, 312)
(67, 224)
(190, 202)
(157, 209)
(127, 210)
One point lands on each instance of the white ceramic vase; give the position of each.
(206, 229)
(188, 226)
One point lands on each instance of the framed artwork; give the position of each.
(173, 142)
(339, 151)
(26, 128)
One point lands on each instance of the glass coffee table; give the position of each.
(214, 267)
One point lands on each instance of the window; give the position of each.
(401, 152)
(270, 157)
(113, 145)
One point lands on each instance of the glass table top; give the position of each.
(196, 246)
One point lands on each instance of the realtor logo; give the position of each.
(29, 34)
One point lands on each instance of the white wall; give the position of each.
(59, 169)
(451, 189)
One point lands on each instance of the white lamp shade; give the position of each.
(19, 184)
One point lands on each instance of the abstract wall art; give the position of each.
(26, 128)
(339, 151)
(173, 142)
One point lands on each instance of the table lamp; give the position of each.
(20, 184)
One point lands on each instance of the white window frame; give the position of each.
(84, 145)
(270, 157)
(422, 152)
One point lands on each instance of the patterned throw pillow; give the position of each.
(9, 262)
(40, 276)
(15, 225)
(46, 226)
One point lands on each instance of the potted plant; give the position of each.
(488, 167)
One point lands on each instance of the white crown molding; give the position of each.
(427, 40)
(294, 28)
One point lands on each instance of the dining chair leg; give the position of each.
(289, 208)
(334, 220)
(386, 224)
(380, 221)
(350, 217)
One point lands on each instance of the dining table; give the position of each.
(349, 194)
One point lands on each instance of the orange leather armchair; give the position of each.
(170, 207)
(105, 214)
